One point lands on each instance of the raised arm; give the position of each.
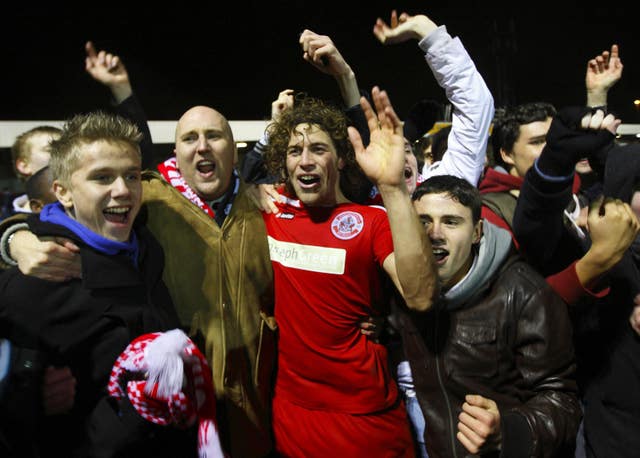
(538, 219)
(321, 52)
(253, 169)
(612, 227)
(603, 71)
(109, 70)
(456, 73)
(411, 265)
(404, 28)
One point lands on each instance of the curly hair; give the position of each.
(84, 129)
(309, 110)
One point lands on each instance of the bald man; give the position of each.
(218, 271)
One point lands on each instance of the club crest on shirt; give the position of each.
(347, 225)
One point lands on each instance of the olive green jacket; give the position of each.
(221, 281)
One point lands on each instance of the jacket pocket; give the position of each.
(473, 351)
(266, 354)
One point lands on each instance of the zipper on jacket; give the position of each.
(452, 436)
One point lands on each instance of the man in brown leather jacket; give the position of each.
(492, 361)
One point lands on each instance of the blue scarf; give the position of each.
(54, 213)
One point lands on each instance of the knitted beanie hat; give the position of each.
(168, 382)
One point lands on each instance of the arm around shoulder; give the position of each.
(8, 228)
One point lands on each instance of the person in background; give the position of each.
(39, 189)
(29, 153)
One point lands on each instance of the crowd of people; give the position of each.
(340, 290)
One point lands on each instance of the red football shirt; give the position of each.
(328, 276)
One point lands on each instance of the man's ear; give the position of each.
(63, 194)
(22, 166)
(477, 231)
(340, 163)
(507, 157)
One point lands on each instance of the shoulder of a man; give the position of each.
(156, 189)
(517, 272)
(524, 286)
(152, 181)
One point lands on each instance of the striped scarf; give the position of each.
(169, 170)
(168, 381)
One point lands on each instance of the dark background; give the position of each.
(237, 55)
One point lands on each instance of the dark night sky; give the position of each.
(237, 56)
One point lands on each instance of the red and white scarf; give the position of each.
(169, 170)
(152, 372)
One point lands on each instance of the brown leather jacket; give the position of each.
(510, 343)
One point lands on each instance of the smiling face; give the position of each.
(104, 192)
(205, 151)
(527, 147)
(313, 166)
(449, 225)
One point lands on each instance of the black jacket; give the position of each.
(612, 391)
(511, 342)
(85, 324)
(608, 350)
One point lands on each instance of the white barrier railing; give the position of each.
(161, 131)
(164, 131)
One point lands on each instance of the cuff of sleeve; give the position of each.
(8, 234)
(128, 101)
(353, 109)
(600, 107)
(552, 196)
(555, 179)
(567, 285)
(262, 143)
(428, 41)
(516, 436)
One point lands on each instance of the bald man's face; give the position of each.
(205, 152)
